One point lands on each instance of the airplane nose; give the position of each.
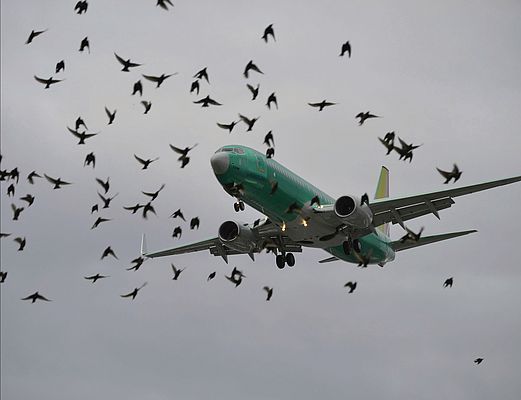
(220, 163)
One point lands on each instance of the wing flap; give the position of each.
(399, 215)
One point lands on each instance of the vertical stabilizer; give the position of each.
(382, 192)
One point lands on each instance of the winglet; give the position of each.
(143, 246)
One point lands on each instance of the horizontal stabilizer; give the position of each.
(399, 246)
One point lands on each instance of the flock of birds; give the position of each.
(82, 133)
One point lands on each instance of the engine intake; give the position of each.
(237, 236)
(349, 210)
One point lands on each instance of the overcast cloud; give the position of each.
(443, 74)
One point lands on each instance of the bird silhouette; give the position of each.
(147, 105)
(248, 121)
(164, 4)
(106, 200)
(3, 276)
(194, 87)
(448, 282)
(272, 99)
(109, 252)
(389, 145)
(365, 116)
(270, 152)
(94, 278)
(153, 195)
(145, 163)
(138, 87)
(194, 223)
(346, 48)
(179, 214)
(236, 280)
(95, 207)
(135, 208)
(148, 208)
(269, 140)
(138, 262)
(254, 90)
(158, 80)
(90, 159)
(57, 182)
(82, 136)
(10, 190)
(29, 199)
(202, 74)
(80, 122)
(60, 66)
(34, 34)
(269, 292)
(315, 200)
(35, 296)
(16, 211)
(448, 175)
(478, 361)
(99, 221)
(177, 232)
(104, 184)
(31, 177)
(127, 64)
(47, 82)
(228, 127)
(85, 44)
(21, 243)
(134, 293)
(110, 115)
(211, 276)
(267, 32)
(14, 175)
(207, 101)
(251, 67)
(176, 271)
(351, 286)
(322, 104)
(81, 7)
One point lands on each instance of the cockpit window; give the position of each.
(238, 150)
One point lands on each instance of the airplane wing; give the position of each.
(267, 236)
(399, 246)
(402, 209)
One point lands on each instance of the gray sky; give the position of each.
(445, 75)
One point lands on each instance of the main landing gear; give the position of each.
(283, 259)
(350, 245)
(238, 206)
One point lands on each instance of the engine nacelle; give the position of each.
(349, 210)
(237, 236)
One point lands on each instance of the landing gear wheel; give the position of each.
(241, 205)
(347, 246)
(290, 259)
(356, 246)
(236, 207)
(281, 261)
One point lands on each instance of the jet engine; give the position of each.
(350, 211)
(237, 236)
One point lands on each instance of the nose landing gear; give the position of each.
(238, 206)
(283, 259)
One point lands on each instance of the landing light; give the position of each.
(283, 228)
(304, 222)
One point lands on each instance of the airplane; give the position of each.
(300, 215)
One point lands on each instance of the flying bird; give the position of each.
(16, 211)
(267, 32)
(127, 64)
(138, 87)
(158, 79)
(478, 361)
(57, 182)
(99, 221)
(34, 34)
(251, 67)
(194, 87)
(254, 90)
(194, 223)
(153, 195)
(206, 101)
(322, 104)
(211, 276)
(148, 208)
(228, 127)
(95, 207)
(48, 82)
(94, 278)
(164, 4)
(10, 190)
(269, 292)
(60, 66)
(90, 159)
(269, 140)
(104, 184)
(389, 137)
(448, 175)
(31, 177)
(351, 286)
(270, 152)
(3, 276)
(346, 48)
(109, 252)
(29, 199)
(448, 282)
(80, 122)
(85, 44)
(183, 152)
(315, 200)
(272, 99)
(81, 7)
(365, 116)
(111, 115)
(147, 105)
(106, 200)
(389, 145)
(133, 294)
(177, 272)
(3, 235)
(236, 280)
(138, 262)
(14, 174)
(177, 232)
(135, 208)
(145, 163)
(82, 136)
(21, 242)
(248, 121)
(179, 214)
(202, 74)
(35, 296)
(364, 199)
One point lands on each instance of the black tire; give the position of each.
(346, 245)
(290, 259)
(236, 207)
(281, 261)
(357, 246)
(241, 205)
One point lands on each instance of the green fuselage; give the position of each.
(255, 175)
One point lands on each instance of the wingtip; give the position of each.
(143, 246)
